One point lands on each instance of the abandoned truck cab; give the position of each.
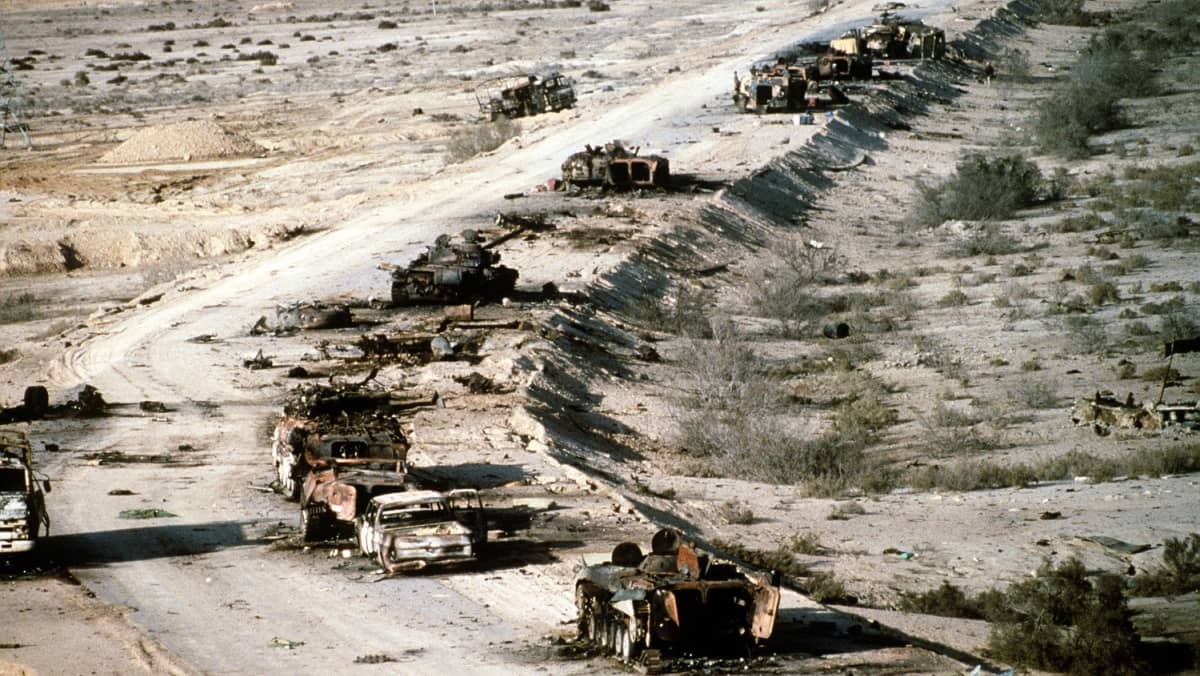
(642, 605)
(22, 501)
(407, 531)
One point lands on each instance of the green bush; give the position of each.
(981, 188)
(1179, 572)
(946, 601)
(16, 308)
(1062, 621)
(1062, 12)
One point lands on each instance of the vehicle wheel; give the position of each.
(621, 645)
(312, 524)
(630, 649)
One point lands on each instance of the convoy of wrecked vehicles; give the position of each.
(341, 451)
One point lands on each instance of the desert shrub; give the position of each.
(1125, 370)
(1062, 12)
(946, 601)
(1013, 64)
(736, 512)
(1031, 365)
(981, 188)
(1101, 293)
(1062, 621)
(9, 355)
(823, 587)
(1105, 72)
(780, 560)
(19, 307)
(468, 142)
(1179, 572)
(806, 543)
(955, 298)
(1085, 335)
(687, 314)
(783, 288)
(1082, 223)
(842, 511)
(1158, 374)
(974, 475)
(1035, 394)
(263, 57)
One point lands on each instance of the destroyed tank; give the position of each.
(641, 606)
(453, 272)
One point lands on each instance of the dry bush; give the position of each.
(1179, 572)
(981, 188)
(687, 314)
(736, 512)
(1038, 394)
(20, 307)
(470, 141)
(946, 601)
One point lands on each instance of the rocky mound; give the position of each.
(181, 141)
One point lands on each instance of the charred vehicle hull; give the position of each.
(411, 530)
(22, 502)
(334, 450)
(453, 272)
(525, 96)
(613, 167)
(673, 599)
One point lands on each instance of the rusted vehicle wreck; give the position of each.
(782, 88)
(642, 606)
(334, 449)
(525, 95)
(453, 272)
(613, 166)
(408, 531)
(22, 495)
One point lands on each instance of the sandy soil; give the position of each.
(130, 265)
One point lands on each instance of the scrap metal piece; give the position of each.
(311, 315)
(673, 598)
(1104, 412)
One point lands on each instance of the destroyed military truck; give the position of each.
(641, 606)
(453, 272)
(783, 88)
(335, 448)
(612, 166)
(893, 38)
(525, 95)
(22, 502)
(408, 531)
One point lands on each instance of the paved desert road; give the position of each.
(204, 584)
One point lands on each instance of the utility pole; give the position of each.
(12, 108)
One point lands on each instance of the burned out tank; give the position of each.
(641, 606)
(453, 272)
(781, 87)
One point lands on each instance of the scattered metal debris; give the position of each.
(145, 513)
(258, 362)
(311, 316)
(639, 605)
(1104, 412)
(278, 642)
(88, 403)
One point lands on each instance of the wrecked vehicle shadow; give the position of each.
(142, 543)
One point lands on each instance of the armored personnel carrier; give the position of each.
(642, 605)
(613, 166)
(453, 272)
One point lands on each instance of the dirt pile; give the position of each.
(181, 141)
